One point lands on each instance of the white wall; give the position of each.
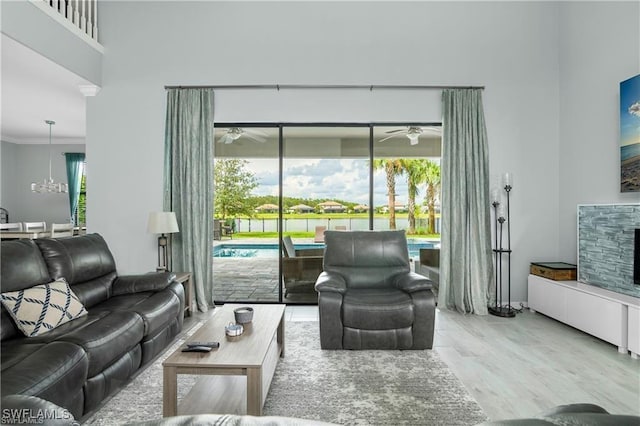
(511, 48)
(600, 48)
(24, 164)
(27, 24)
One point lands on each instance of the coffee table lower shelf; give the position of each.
(205, 396)
(236, 380)
(227, 391)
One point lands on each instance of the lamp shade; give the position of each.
(162, 223)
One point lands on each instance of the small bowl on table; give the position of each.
(243, 315)
(233, 330)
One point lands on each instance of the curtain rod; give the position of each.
(370, 87)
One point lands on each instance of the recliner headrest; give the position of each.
(366, 248)
(77, 259)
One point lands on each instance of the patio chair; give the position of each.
(227, 231)
(300, 268)
(217, 230)
(368, 298)
(220, 230)
(319, 237)
(429, 266)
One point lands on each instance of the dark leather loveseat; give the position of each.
(76, 365)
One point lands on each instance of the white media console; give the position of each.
(610, 316)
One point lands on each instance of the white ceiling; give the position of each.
(34, 89)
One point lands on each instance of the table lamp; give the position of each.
(162, 223)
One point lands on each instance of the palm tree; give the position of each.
(432, 179)
(416, 170)
(392, 168)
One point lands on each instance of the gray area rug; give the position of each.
(344, 387)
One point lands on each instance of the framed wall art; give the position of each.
(630, 135)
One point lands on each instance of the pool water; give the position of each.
(255, 250)
(272, 250)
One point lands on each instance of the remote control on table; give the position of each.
(197, 349)
(208, 344)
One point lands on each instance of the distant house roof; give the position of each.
(267, 207)
(361, 207)
(396, 204)
(301, 207)
(330, 204)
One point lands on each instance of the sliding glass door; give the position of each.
(245, 247)
(325, 185)
(407, 182)
(278, 187)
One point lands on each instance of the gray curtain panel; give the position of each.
(188, 185)
(466, 266)
(75, 164)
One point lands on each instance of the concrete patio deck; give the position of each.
(252, 279)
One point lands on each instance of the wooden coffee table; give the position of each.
(254, 354)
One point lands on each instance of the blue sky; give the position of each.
(343, 179)
(630, 111)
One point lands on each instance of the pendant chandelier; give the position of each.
(48, 185)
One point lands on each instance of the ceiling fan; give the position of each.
(235, 133)
(412, 132)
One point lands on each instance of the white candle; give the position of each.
(507, 179)
(495, 195)
(502, 212)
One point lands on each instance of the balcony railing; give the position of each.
(82, 14)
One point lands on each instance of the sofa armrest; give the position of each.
(333, 282)
(571, 414)
(412, 282)
(128, 284)
(575, 408)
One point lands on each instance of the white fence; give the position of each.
(309, 225)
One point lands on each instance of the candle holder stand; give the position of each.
(501, 309)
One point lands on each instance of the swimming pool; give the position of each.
(271, 250)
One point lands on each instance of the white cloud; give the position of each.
(634, 109)
(342, 179)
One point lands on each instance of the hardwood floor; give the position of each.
(518, 367)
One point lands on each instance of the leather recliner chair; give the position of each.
(368, 298)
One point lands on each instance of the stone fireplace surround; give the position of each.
(606, 234)
(605, 279)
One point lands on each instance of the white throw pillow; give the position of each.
(42, 308)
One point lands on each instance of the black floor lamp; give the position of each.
(163, 223)
(502, 216)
